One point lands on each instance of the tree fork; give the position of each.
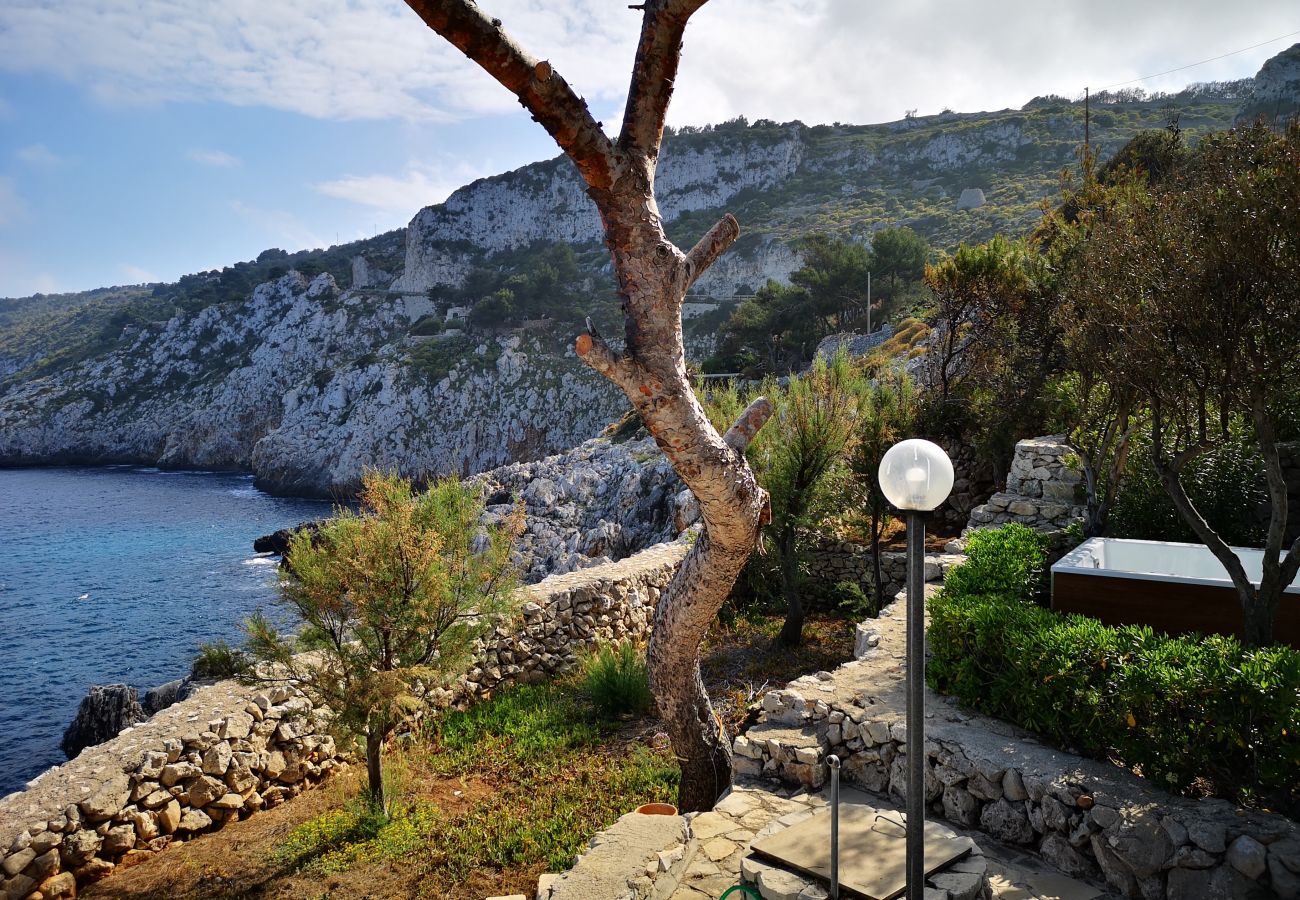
(653, 277)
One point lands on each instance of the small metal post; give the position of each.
(834, 762)
(915, 705)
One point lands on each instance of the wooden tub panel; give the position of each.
(1167, 606)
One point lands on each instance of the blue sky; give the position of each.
(144, 139)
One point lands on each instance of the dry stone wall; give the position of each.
(1042, 489)
(230, 750)
(830, 561)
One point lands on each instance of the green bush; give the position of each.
(1010, 560)
(617, 681)
(1188, 713)
(849, 598)
(1227, 486)
(218, 660)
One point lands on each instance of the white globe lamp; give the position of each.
(916, 477)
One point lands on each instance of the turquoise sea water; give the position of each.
(118, 574)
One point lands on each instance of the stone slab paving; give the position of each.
(753, 811)
(639, 856)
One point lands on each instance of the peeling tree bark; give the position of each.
(653, 277)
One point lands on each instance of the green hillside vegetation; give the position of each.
(47, 333)
(853, 181)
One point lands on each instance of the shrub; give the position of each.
(1227, 485)
(1009, 561)
(1188, 713)
(617, 681)
(849, 598)
(218, 660)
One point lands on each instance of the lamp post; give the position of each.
(915, 477)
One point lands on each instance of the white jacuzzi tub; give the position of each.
(1176, 588)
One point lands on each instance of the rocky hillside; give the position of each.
(305, 385)
(304, 368)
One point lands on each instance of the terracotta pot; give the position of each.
(657, 809)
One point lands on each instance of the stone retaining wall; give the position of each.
(230, 750)
(830, 561)
(1087, 818)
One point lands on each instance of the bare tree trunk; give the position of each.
(792, 629)
(877, 527)
(653, 277)
(374, 773)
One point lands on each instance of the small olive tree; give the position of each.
(1192, 302)
(390, 600)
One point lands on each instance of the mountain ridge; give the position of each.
(305, 367)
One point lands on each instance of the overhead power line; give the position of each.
(1200, 63)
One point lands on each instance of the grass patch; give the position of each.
(538, 772)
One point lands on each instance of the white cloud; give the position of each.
(38, 155)
(818, 60)
(418, 185)
(283, 228)
(12, 207)
(137, 274)
(216, 158)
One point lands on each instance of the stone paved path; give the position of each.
(753, 811)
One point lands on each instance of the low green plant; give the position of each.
(616, 679)
(219, 660)
(850, 599)
(1189, 713)
(1008, 561)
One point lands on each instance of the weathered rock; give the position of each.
(1140, 842)
(119, 839)
(169, 817)
(164, 695)
(1222, 883)
(959, 806)
(63, 884)
(201, 791)
(16, 862)
(109, 797)
(216, 759)
(194, 820)
(1006, 822)
(1058, 851)
(1247, 856)
(103, 713)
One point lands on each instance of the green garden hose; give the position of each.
(744, 889)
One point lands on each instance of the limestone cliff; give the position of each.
(306, 379)
(305, 385)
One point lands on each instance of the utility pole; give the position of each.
(1087, 135)
(868, 303)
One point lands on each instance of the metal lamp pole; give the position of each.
(915, 705)
(916, 477)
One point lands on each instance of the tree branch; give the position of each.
(539, 88)
(751, 420)
(592, 349)
(657, 55)
(710, 247)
